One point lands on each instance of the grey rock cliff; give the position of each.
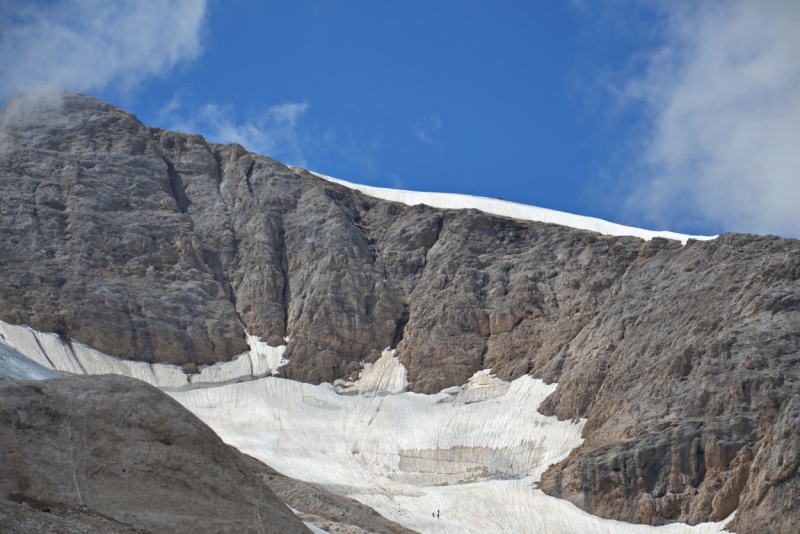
(156, 245)
(681, 376)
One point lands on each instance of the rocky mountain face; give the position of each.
(158, 246)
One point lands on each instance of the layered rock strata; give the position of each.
(158, 246)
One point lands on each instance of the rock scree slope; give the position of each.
(159, 246)
(115, 447)
(22, 513)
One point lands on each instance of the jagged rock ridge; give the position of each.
(156, 245)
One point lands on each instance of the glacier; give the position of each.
(474, 452)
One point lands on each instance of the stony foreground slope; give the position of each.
(49, 479)
(158, 246)
(117, 447)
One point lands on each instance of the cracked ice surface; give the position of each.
(473, 452)
(15, 366)
(514, 210)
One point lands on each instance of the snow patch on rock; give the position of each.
(386, 375)
(69, 356)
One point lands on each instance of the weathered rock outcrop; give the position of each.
(681, 376)
(116, 447)
(40, 518)
(332, 513)
(772, 489)
(157, 245)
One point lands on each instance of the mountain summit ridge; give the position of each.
(514, 210)
(157, 246)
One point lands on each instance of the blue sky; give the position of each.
(664, 115)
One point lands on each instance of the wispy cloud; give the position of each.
(274, 132)
(722, 100)
(91, 44)
(283, 131)
(426, 128)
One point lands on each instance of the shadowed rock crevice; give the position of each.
(401, 326)
(177, 188)
(286, 294)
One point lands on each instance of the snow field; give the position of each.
(514, 210)
(473, 452)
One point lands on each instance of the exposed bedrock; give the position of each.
(156, 245)
(115, 447)
(682, 377)
(772, 491)
(333, 513)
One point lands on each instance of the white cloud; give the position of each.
(274, 133)
(90, 44)
(426, 128)
(723, 99)
(282, 132)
